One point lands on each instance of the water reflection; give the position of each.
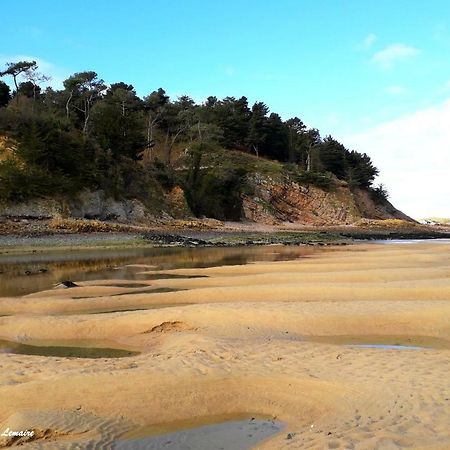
(63, 350)
(228, 433)
(24, 274)
(386, 342)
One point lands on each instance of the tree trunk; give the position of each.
(149, 137)
(166, 147)
(86, 116)
(87, 113)
(68, 102)
(150, 124)
(172, 143)
(291, 156)
(17, 89)
(199, 132)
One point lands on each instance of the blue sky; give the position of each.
(347, 67)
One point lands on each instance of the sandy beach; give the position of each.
(274, 339)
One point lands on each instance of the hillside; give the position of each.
(264, 192)
(99, 151)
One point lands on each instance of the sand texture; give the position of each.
(275, 339)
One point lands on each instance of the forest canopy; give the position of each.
(98, 136)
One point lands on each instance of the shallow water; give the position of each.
(63, 351)
(384, 342)
(114, 309)
(410, 241)
(388, 347)
(228, 434)
(27, 273)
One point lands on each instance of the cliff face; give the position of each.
(96, 205)
(275, 201)
(380, 209)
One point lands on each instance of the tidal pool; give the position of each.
(22, 274)
(385, 342)
(217, 433)
(63, 351)
(388, 347)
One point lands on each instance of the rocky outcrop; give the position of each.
(34, 209)
(276, 200)
(378, 208)
(94, 205)
(86, 205)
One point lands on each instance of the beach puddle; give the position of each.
(129, 309)
(236, 432)
(388, 347)
(125, 285)
(22, 274)
(150, 290)
(385, 342)
(64, 351)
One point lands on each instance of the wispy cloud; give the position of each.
(368, 41)
(393, 53)
(57, 74)
(412, 155)
(396, 90)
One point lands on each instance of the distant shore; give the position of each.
(36, 236)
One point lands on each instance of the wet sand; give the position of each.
(269, 338)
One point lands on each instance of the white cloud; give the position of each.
(392, 53)
(368, 41)
(57, 74)
(412, 153)
(396, 90)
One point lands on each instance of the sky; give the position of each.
(374, 74)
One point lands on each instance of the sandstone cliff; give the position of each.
(274, 200)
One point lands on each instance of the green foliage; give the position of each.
(232, 116)
(89, 135)
(214, 182)
(217, 194)
(354, 167)
(361, 170)
(322, 180)
(19, 184)
(298, 142)
(117, 124)
(18, 68)
(163, 174)
(276, 143)
(379, 193)
(257, 133)
(28, 89)
(51, 157)
(5, 94)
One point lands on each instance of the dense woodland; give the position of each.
(98, 136)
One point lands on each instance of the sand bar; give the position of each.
(253, 339)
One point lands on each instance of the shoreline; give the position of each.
(231, 235)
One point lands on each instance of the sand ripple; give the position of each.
(246, 343)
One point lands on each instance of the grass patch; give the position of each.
(386, 223)
(86, 226)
